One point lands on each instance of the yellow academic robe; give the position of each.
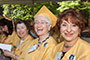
(2, 38)
(80, 51)
(12, 39)
(43, 52)
(19, 51)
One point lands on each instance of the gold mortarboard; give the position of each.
(44, 11)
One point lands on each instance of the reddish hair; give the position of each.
(75, 17)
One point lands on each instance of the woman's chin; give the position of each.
(68, 39)
(39, 34)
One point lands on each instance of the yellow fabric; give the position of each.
(13, 39)
(2, 38)
(42, 52)
(81, 50)
(44, 11)
(23, 46)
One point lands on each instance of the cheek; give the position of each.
(46, 28)
(25, 31)
(76, 30)
(18, 31)
(62, 29)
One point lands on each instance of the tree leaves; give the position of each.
(25, 11)
(81, 6)
(18, 11)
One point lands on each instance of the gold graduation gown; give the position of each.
(12, 39)
(43, 52)
(2, 38)
(23, 46)
(80, 51)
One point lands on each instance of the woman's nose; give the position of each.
(39, 25)
(69, 29)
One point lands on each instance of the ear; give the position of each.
(49, 27)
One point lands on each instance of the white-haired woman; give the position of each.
(41, 48)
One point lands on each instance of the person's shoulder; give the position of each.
(51, 40)
(60, 44)
(84, 44)
(83, 48)
(58, 47)
(35, 40)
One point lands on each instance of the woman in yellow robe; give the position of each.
(2, 36)
(41, 48)
(73, 47)
(12, 39)
(23, 31)
(8, 33)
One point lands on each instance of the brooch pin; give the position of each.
(45, 44)
(71, 57)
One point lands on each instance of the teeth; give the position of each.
(40, 29)
(20, 33)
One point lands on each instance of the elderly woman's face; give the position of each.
(22, 30)
(69, 31)
(41, 26)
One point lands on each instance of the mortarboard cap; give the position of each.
(44, 11)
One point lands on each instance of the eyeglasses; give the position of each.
(42, 23)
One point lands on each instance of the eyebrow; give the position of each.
(64, 22)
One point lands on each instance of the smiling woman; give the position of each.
(41, 48)
(42, 25)
(23, 31)
(71, 24)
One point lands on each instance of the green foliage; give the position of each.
(85, 9)
(52, 6)
(67, 4)
(26, 11)
(18, 11)
(81, 6)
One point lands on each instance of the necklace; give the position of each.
(67, 46)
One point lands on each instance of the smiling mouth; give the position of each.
(39, 29)
(68, 34)
(21, 33)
